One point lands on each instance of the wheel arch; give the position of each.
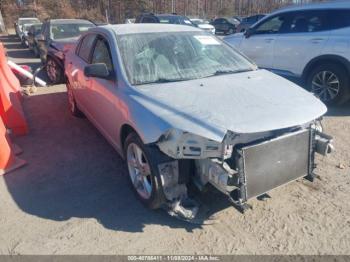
(125, 130)
(336, 59)
(58, 61)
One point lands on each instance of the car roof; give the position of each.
(324, 5)
(123, 29)
(67, 21)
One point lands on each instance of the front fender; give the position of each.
(149, 126)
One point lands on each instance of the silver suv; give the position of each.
(309, 43)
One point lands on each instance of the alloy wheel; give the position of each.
(139, 171)
(325, 85)
(52, 70)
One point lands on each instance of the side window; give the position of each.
(339, 18)
(308, 21)
(148, 19)
(101, 54)
(271, 26)
(86, 46)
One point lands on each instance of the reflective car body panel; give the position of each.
(209, 115)
(250, 102)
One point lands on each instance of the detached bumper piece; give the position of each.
(267, 165)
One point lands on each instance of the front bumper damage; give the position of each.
(242, 167)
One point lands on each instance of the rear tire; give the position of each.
(329, 82)
(143, 172)
(54, 71)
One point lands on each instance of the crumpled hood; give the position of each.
(250, 102)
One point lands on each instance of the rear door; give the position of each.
(302, 39)
(260, 44)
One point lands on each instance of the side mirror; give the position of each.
(98, 70)
(248, 33)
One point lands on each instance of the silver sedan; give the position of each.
(183, 107)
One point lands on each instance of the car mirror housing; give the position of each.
(98, 70)
(248, 33)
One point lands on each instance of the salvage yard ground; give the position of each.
(74, 197)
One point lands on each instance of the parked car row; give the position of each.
(48, 40)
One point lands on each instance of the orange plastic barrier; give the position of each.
(10, 104)
(10, 77)
(8, 160)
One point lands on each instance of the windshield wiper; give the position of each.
(164, 80)
(224, 72)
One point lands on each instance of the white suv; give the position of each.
(310, 43)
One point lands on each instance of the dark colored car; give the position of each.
(225, 25)
(248, 22)
(56, 36)
(34, 30)
(164, 19)
(24, 34)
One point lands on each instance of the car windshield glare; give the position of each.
(169, 57)
(62, 31)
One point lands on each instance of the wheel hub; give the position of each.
(139, 171)
(325, 85)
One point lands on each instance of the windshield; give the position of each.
(61, 31)
(26, 27)
(37, 28)
(167, 57)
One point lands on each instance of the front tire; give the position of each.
(54, 71)
(330, 83)
(143, 173)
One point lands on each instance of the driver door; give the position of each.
(259, 42)
(103, 93)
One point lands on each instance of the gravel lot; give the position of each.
(74, 197)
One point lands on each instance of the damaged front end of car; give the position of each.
(242, 166)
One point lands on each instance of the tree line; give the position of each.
(116, 11)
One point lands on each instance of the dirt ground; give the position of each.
(74, 197)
